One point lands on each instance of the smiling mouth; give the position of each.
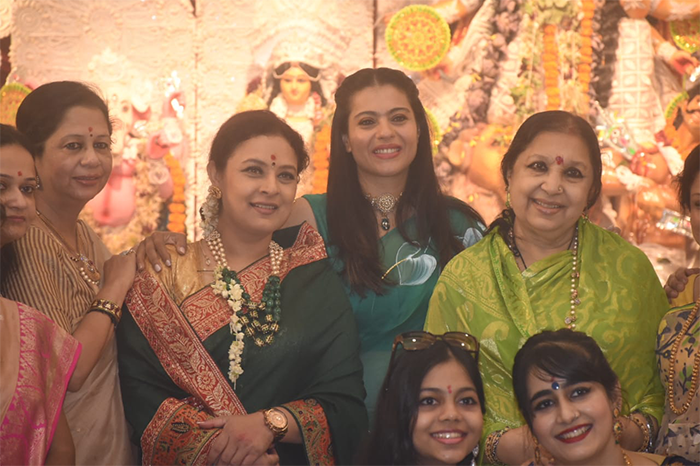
(391, 150)
(574, 435)
(269, 207)
(448, 435)
(547, 205)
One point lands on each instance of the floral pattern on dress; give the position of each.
(679, 434)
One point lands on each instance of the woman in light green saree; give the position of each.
(543, 266)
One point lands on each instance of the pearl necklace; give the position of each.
(574, 300)
(384, 204)
(672, 367)
(258, 320)
(86, 267)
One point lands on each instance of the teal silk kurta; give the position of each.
(314, 355)
(402, 308)
(482, 292)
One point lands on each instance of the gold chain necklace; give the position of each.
(86, 267)
(672, 367)
(628, 461)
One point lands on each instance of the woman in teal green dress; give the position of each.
(388, 228)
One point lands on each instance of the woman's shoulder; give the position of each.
(611, 245)
(475, 259)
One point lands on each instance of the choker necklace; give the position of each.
(574, 300)
(257, 320)
(384, 204)
(86, 267)
(672, 367)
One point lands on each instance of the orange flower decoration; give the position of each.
(176, 208)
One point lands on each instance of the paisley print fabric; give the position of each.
(679, 434)
(483, 292)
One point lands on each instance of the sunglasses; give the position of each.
(418, 341)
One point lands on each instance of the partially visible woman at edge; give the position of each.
(64, 269)
(571, 401)
(678, 341)
(37, 357)
(543, 265)
(388, 228)
(251, 325)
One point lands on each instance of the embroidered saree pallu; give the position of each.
(37, 359)
(482, 292)
(174, 358)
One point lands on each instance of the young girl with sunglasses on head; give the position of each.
(571, 400)
(430, 408)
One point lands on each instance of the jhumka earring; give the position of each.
(508, 199)
(215, 191)
(475, 454)
(584, 215)
(617, 425)
(538, 453)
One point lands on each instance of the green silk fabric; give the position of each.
(402, 307)
(482, 292)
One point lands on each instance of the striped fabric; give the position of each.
(48, 280)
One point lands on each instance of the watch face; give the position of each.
(278, 419)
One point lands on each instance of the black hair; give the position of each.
(9, 136)
(43, 110)
(247, 125)
(692, 93)
(554, 121)
(685, 179)
(565, 354)
(308, 69)
(391, 438)
(348, 209)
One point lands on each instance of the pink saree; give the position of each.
(37, 359)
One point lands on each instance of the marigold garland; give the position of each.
(586, 47)
(176, 208)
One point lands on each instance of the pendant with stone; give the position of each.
(385, 224)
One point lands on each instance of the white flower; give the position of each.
(236, 292)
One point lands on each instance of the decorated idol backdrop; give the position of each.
(174, 70)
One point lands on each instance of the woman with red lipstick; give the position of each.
(245, 350)
(431, 406)
(37, 357)
(64, 270)
(571, 400)
(543, 265)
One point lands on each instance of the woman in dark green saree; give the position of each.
(256, 365)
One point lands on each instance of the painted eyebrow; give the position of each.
(373, 113)
(264, 164)
(439, 390)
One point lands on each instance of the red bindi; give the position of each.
(449, 389)
(90, 129)
(19, 173)
(559, 159)
(273, 157)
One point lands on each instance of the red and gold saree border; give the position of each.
(173, 436)
(314, 429)
(178, 347)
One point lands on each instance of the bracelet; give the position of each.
(109, 306)
(112, 316)
(491, 445)
(646, 432)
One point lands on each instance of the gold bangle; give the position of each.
(109, 306)
(111, 314)
(491, 445)
(646, 432)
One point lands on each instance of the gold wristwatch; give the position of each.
(276, 421)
